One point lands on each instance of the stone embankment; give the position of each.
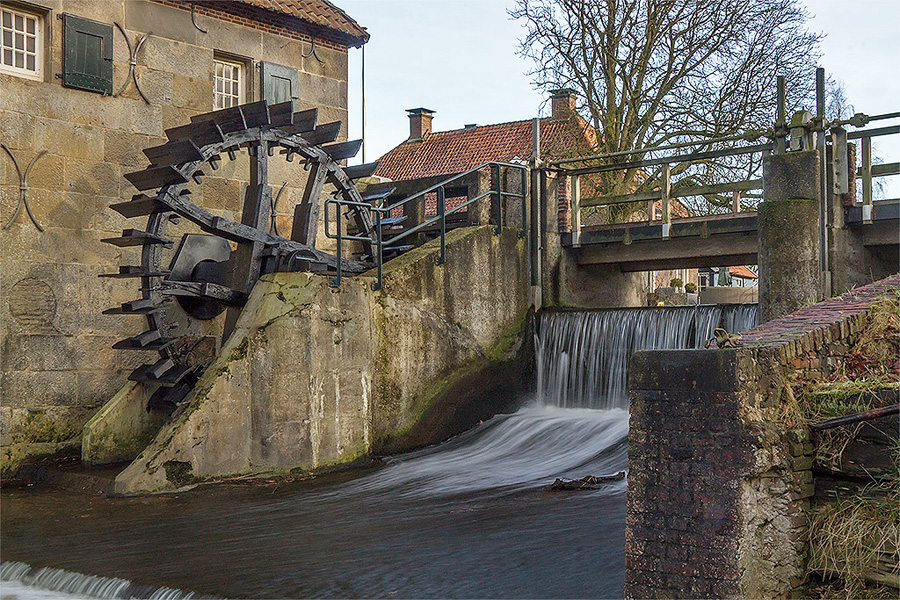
(720, 477)
(316, 376)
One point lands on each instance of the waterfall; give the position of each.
(76, 585)
(582, 357)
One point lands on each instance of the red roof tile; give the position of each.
(742, 271)
(459, 150)
(318, 12)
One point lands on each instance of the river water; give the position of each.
(468, 518)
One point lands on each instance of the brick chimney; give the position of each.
(419, 122)
(562, 104)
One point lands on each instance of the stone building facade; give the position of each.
(78, 104)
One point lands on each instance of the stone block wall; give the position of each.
(56, 364)
(718, 485)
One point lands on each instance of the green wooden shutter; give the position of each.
(279, 83)
(87, 55)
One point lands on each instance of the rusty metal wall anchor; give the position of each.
(132, 63)
(23, 187)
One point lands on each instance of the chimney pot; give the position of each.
(419, 122)
(562, 103)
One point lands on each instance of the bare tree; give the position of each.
(655, 72)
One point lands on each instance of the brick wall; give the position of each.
(718, 487)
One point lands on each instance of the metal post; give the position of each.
(441, 208)
(378, 251)
(524, 173)
(780, 117)
(336, 282)
(866, 173)
(824, 221)
(498, 197)
(666, 192)
(575, 203)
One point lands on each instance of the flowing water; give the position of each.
(582, 357)
(468, 518)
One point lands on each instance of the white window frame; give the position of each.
(12, 33)
(229, 99)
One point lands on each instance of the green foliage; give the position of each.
(675, 282)
(690, 287)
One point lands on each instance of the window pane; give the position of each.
(29, 63)
(7, 38)
(20, 60)
(7, 57)
(219, 68)
(234, 89)
(29, 44)
(20, 41)
(20, 23)
(7, 19)
(30, 25)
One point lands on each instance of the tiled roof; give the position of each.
(742, 271)
(445, 152)
(318, 12)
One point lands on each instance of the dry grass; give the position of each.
(856, 539)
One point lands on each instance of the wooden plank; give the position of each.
(256, 114)
(343, 150)
(282, 114)
(136, 237)
(741, 186)
(360, 171)
(173, 153)
(301, 122)
(133, 271)
(323, 134)
(378, 194)
(140, 206)
(202, 133)
(155, 177)
(622, 199)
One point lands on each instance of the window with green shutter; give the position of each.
(279, 83)
(87, 54)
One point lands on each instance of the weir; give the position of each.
(582, 357)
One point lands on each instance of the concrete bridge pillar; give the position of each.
(789, 270)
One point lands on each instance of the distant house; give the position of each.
(737, 276)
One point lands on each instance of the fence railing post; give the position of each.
(665, 192)
(376, 285)
(866, 173)
(576, 210)
(336, 282)
(441, 208)
(497, 197)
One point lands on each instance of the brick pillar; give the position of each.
(716, 496)
(789, 267)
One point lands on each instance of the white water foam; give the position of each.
(524, 450)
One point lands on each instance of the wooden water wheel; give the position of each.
(216, 261)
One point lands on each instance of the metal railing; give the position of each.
(379, 213)
(804, 131)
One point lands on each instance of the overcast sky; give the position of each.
(458, 58)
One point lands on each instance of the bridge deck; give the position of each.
(715, 240)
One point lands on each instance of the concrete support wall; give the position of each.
(315, 375)
(567, 284)
(719, 485)
(789, 263)
(57, 367)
